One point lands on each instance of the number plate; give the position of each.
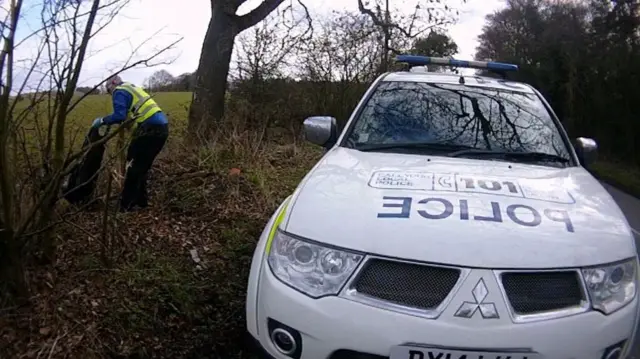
(407, 352)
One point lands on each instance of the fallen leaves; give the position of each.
(178, 282)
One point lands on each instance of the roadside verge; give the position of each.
(623, 177)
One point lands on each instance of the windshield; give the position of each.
(481, 118)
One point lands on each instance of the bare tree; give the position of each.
(400, 27)
(36, 152)
(345, 49)
(263, 51)
(207, 107)
(263, 56)
(159, 79)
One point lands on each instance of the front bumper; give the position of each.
(333, 325)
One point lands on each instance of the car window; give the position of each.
(483, 118)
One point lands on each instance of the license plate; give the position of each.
(408, 352)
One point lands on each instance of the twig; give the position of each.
(81, 208)
(105, 221)
(60, 22)
(100, 169)
(82, 229)
(55, 342)
(125, 68)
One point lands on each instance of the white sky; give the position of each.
(170, 19)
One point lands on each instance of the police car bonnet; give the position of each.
(459, 211)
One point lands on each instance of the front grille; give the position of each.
(407, 284)
(531, 293)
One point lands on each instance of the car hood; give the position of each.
(468, 212)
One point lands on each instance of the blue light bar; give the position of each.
(415, 60)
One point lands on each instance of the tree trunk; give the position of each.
(207, 107)
(12, 268)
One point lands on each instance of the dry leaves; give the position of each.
(177, 286)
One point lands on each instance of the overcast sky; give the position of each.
(166, 20)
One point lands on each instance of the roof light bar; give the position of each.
(416, 60)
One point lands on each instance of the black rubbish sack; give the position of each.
(79, 186)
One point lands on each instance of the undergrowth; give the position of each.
(176, 281)
(618, 174)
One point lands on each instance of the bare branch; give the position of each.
(112, 14)
(57, 22)
(70, 162)
(64, 68)
(29, 72)
(6, 185)
(376, 20)
(258, 14)
(71, 85)
(125, 68)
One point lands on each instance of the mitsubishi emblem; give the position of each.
(487, 310)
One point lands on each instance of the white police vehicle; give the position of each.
(452, 218)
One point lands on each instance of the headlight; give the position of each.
(311, 268)
(611, 287)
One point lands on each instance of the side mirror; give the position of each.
(587, 150)
(321, 130)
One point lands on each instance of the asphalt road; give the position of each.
(631, 207)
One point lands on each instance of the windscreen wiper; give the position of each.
(412, 145)
(526, 156)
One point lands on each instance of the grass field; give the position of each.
(174, 104)
(620, 175)
(155, 301)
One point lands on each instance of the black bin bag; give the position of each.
(80, 184)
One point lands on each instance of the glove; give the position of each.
(97, 123)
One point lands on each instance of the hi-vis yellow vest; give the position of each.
(143, 106)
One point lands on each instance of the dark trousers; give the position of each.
(147, 142)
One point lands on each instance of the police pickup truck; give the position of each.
(451, 218)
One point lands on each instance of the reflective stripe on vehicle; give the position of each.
(276, 224)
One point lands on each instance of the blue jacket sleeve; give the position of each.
(121, 103)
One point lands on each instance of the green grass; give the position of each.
(174, 104)
(619, 175)
(34, 128)
(163, 283)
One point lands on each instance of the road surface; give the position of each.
(631, 207)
